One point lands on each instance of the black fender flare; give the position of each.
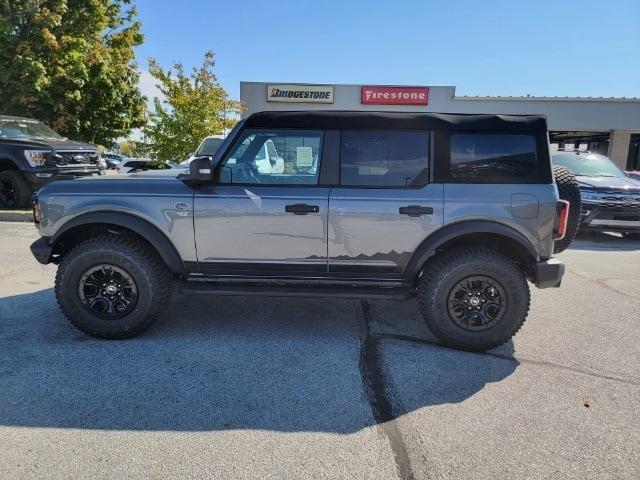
(466, 227)
(142, 227)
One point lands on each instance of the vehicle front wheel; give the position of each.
(15, 191)
(473, 298)
(112, 286)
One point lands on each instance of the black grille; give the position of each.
(77, 158)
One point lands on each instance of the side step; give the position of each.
(296, 290)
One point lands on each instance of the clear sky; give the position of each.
(483, 47)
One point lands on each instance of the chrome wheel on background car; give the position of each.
(477, 303)
(108, 292)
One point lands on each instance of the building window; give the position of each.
(375, 158)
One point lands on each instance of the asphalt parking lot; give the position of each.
(229, 387)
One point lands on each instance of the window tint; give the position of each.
(384, 158)
(493, 158)
(274, 157)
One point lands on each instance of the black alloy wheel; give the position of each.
(7, 192)
(477, 303)
(108, 292)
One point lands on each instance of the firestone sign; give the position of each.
(300, 93)
(370, 95)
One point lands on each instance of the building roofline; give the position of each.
(550, 99)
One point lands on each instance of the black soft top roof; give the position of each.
(330, 119)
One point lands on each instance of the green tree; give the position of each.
(70, 63)
(194, 106)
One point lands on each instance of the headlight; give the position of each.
(36, 158)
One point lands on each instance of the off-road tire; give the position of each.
(22, 190)
(139, 260)
(443, 273)
(569, 190)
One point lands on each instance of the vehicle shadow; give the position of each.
(221, 363)
(601, 240)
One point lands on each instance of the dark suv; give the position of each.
(458, 211)
(32, 155)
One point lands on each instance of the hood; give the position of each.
(116, 185)
(51, 143)
(608, 184)
(168, 173)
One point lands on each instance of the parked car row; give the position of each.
(610, 197)
(32, 155)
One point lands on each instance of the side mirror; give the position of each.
(201, 169)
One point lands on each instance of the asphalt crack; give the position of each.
(378, 396)
(509, 358)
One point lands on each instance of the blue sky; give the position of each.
(490, 47)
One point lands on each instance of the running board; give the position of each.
(296, 290)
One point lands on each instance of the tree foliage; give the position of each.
(70, 63)
(194, 106)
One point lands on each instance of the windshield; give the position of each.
(588, 164)
(25, 128)
(209, 146)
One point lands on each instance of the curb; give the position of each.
(16, 216)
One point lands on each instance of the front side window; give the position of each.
(370, 158)
(274, 157)
(493, 157)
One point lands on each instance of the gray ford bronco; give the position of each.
(459, 211)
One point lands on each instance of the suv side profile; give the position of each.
(32, 155)
(458, 211)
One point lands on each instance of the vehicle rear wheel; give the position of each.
(473, 298)
(569, 190)
(112, 286)
(15, 191)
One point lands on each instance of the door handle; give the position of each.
(415, 210)
(301, 208)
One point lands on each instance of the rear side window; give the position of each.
(493, 158)
(372, 158)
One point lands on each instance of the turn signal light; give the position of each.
(562, 219)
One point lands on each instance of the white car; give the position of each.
(267, 159)
(208, 147)
(131, 165)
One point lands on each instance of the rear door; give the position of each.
(265, 221)
(384, 206)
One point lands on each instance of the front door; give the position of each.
(268, 219)
(384, 207)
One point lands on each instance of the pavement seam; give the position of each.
(509, 358)
(377, 395)
(600, 282)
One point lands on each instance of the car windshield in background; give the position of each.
(209, 146)
(24, 128)
(587, 165)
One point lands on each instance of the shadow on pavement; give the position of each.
(600, 240)
(219, 363)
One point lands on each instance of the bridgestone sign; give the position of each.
(300, 93)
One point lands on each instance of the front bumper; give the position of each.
(613, 216)
(548, 273)
(41, 250)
